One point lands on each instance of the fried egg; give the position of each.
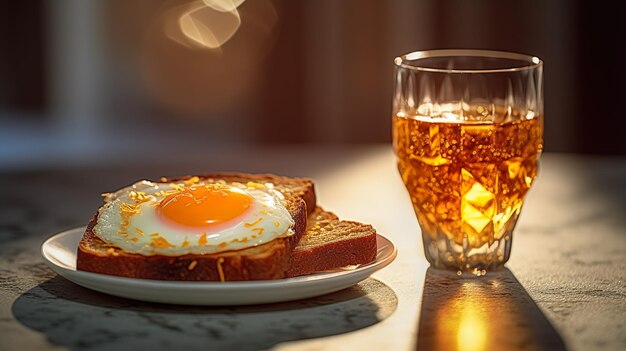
(192, 217)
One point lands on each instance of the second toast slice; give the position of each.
(331, 243)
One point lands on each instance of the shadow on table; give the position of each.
(493, 312)
(79, 318)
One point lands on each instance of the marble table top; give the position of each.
(563, 289)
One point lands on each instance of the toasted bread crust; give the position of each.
(331, 243)
(268, 261)
(327, 243)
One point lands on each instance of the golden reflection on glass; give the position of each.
(493, 312)
(467, 139)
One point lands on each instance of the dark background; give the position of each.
(81, 77)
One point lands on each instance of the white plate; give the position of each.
(59, 252)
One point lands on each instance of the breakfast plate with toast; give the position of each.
(217, 239)
(59, 253)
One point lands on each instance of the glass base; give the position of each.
(444, 253)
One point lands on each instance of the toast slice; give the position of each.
(321, 242)
(267, 261)
(332, 243)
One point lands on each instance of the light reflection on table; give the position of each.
(493, 312)
(567, 254)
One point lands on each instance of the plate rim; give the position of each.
(302, 281)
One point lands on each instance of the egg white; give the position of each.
(147, 234)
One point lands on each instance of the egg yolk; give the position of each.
(205, 205)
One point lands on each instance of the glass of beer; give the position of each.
(467, 133)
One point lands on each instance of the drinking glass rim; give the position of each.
(533, 62)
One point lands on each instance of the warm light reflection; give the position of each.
(205, 62)
(493, 312)
(208, 27)
(203, 24)
(463, 324)
(223, 5)
(472, 330)
(415, 55)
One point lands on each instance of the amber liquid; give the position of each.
(467, 182)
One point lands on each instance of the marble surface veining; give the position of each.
(564, 288)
